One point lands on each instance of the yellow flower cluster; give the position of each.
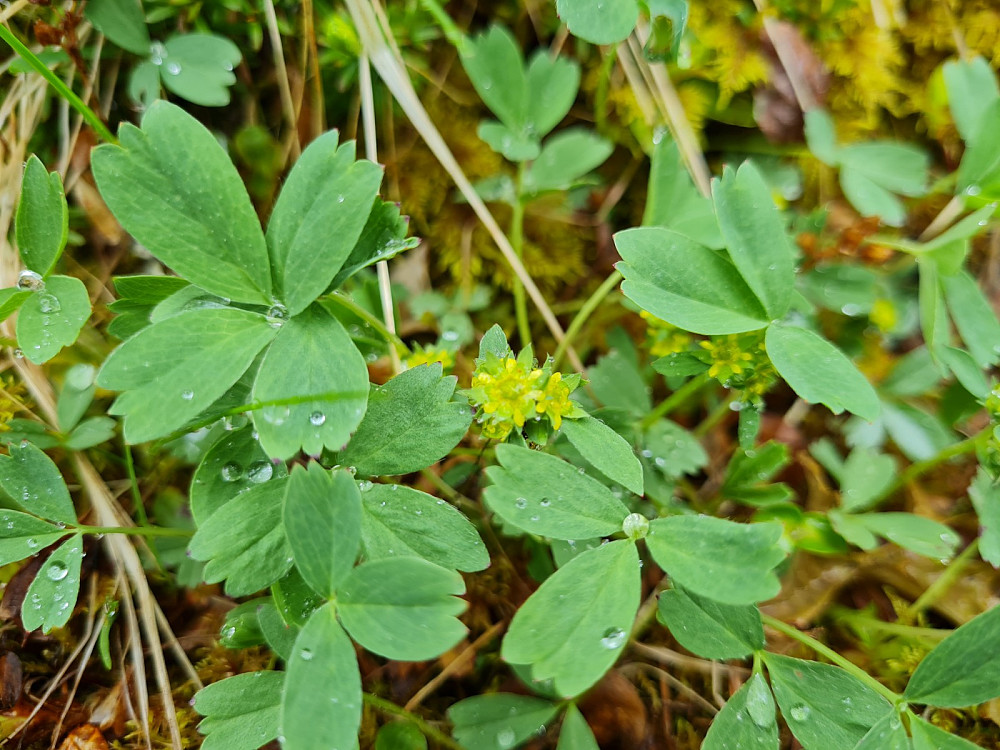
(429, 355)
(510, 391)
(740, 361)
(663, 337)
(11, 395)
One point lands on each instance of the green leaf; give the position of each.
(964, 669)
(926, 736)
(687, 548)
(819, 372)
(513, 145)
(494, 64)
(138, 296)
(923, 536)
(244, 541)
(825, 707)
(52, 318)
(313, 384)
(397, 521)
(400, 735)
(172, 371)
(318, 218)
(11, 300)
(50, 598)
(618, 384)
(575, 733)
(755, 237)
(672, 200)
(545, 495)
(667, 21)
(383, 237)
(913, 374)
(42, 220)
(235, 463)
(985, 496)
(411, 423)
(294, 600)
(90, 432)
(606, 450)
(144, 84)
(322, 517)
(564, 159)
(966, 370)
(747, 720)
(199, 68)
(575, 625)
(241, 712)
(973, 316)
(174, 189)
(552, 83)
(402, 608)
(865, 475)
(122, 22)
(887, 734)
(499, 720)
(710, 629)
(979, 170)
(685, 283)
(599, 23)
(916, 433)
(972, 87)
(897, 167)
(277, 633)
(322, 696)
(495, 341)
(22, 535)
(841, 287)
(870, 198)
(673, 450)
(33, 481)
(821, 136)
(75, 396)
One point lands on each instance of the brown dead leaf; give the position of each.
(85, 737)
(10, 680)
(17, 589)
(616, 713)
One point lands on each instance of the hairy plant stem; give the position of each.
(941, 584)
(823, 650)
(592, 303)
(55, 82)
(918, 469)
(432, 732)
(674, 400)
(517, 242)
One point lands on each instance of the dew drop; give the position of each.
(276, 315)
(613, 638)
(545, 502)
(306, 654)
(29, 281)
(31, 543)
(260, 471)
(49, 303)
(635, 526)
(157, 52)
(231, 472)
(521, 503)
(317, 418)
(340, 199)
(506, 739)
(187, 395)
(57, 571)
(18, 353)
(364, 485)
(174, 68)
(800, 712)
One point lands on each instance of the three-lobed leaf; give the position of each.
(411, 422)
(402, 608)
(399, 521)
(685, 283)
(174, 189)
(687, 548)
(199, 67)
(545, 495)
(241, 712)
(575, 625)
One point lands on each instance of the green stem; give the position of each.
(920, 468)
(140, 509)
(55, 82)
(823, 650)
(941, 584)
(603, 84)
(674, 400)
(451, 32)
(430, 731)
(346, 303)
(715, 416)
(134, 530)
(584, 314)
(517, 243)
(859, 621)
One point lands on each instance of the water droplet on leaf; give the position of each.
(57, 571)
(613, 638)
(29, 281)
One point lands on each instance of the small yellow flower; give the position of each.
(727, 356)
(883, 314)
(664, 338)
(509, 395)
(554, 401)
(429, 355)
